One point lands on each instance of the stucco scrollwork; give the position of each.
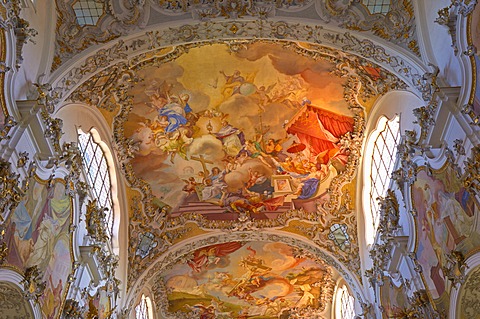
(455, 267)
(468, 110)
(95, 221)
(10, 193)
(389, 216)
(12, 302)
(397, 25)
(32, 283)
(233, 9)
(20, 26)
(472, 172)
(118, 18)
(470, 295)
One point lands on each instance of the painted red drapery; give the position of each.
(318, 128)
(211, 254)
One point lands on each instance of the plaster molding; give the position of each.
(472, 264)
(14, 278)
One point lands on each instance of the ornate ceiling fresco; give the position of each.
(238, 136)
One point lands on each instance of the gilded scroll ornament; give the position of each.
(458, 147)
(471, 180)
(389, 216)
(72, 310)
(455, 267)
(469, 110)
(33, 285)
(10, 193)
(3, 244)
(9, 123)
(22, 159)
(95, 220)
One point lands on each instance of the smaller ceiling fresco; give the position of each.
(247, 280)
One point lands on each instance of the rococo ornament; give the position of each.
(33, 285)
(20, 26)
(471, 180)
(10, 193)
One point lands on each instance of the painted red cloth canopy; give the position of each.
(319, 128)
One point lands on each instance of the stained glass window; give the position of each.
(377, 6)
(98, 176)
(88, 11)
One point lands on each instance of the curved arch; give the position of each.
(387, 107)
(179, 251)
(145, 306)
(13, 279)
(89, 119)
(392, 103)
(472, 269)
(377, 180)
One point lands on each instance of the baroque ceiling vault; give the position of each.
(238, 128)
(238, 136)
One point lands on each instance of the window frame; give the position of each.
(144, 308)
(373, 175)
(344, 303)
(98, 179)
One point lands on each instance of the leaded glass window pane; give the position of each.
(383, 162)
(98, 176)
(377, 6)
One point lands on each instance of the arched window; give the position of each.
(377, 6)
(98, 176)
(144, 308)
(344, 304)
(382, 147)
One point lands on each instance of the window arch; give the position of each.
(382, 147)
(98, 176)
(144, 308)
(344, 304)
